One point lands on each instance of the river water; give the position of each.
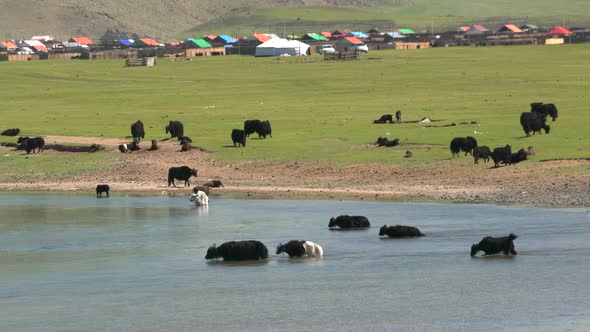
(77, 263)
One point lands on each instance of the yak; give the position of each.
(398, 116)
(481, 152)
(251, 126)
(34, 143)
(519, 156)
(137, 131)
(215, 183)
(385, 118)
(533, 122)
(176, 129)
(238, 251)
(154, 146)
(545, 109)
(346, 221)
(399, 231)
(11, 132)
(102, 188)
(465, 144)
(238, 136)
(494, 245)
(383, 141)
(265, 129)
(502, 155)
(300, 248)
(181, 173)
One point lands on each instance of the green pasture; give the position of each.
(420, 15)
(319, 110)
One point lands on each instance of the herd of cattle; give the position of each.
(256, 250)
(531, 122)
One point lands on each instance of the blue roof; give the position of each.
(126, 42)
(227, 39)
(358, 34)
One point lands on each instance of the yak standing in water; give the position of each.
(300, 248)
(494, 245)
(346, 221)
(238, 251)
(399, 231)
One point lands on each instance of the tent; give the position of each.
(559, 30)
(126, 42)
(280, 46)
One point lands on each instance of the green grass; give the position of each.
(318, 110)
(420, 15)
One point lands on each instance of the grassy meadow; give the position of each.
(319, 110)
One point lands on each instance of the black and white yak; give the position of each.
(494, 245)
(300, 248)
(238, 251)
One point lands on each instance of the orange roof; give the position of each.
(150, 42)
(83, 40)
(261, 37)
(354, 40)
(9, 44)
(40, 47)
(512, 27)
(464, 28)
(326, 34)
(210, 36)
(480, 27)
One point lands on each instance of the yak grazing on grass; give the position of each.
(502, 155)
(465, 144)
(238, 136)
(137, 131)
(34, 143)
(481, 152)
(385, 118)
(251, 126)
(176, 129)
(11, 132)
(545, 109)
(533, 122)
(265, 129)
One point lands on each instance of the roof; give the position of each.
(201, 43)
(529, 26)
(126, 42)
(479, 27)
(82, 40)
(210, 37)
(559, 30)
(326, 34)
(395, 35)
(146, 42)
(314, 36)
(406, 31)
(352, 40)
(228, 39)
(8, 45)
(42, 38)
(463, 28)
(40, 48)
(357, 34)
(510, 27)
(260, 37)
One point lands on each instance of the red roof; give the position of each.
(354, 40)
(150, 42)
(82, 40)
(463, 28)
(261, 37)
(40, 48)
(480, 27)
(559, 30)
(326, 34)
(9, 44)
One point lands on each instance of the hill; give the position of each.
(179, 18)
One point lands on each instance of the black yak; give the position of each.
(345, 221)
(545, 109)
(502, 155)
(383, 141)
(481, 152)
(398, 116)
(176, 129)
(181, 173)
(137, 131)
(154, 146)
(238, 136)
(519, 156)
(399, 231)
(102, 188)
(384, 119)
(300, 248)
(34, 143)
(11, 132)
(251, 126)
(465, 144)
(238, 251)
(533, 122)
(215, 183)
(265, 129)
(494, 245)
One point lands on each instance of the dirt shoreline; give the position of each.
(547, 184)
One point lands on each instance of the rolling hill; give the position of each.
(21, 19)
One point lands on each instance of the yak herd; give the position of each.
(256, 250)
(531, 122)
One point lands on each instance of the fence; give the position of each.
(148, 61)
(349, 55)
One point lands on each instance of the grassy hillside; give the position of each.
(21, 19)
(319, 110)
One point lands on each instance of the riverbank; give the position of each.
(557, 183)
